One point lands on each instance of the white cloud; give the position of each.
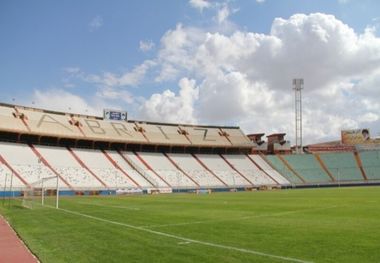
(369, 117)
(200, 4)
(96, 23)
(223, 14)
(109, 93)
(246, 77)
(170, 107)
(146, 46)
(260, 1)
(108, 79)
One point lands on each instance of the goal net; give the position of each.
(42, 192)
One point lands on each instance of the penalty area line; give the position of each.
(184, 239)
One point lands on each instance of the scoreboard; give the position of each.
(114, 115)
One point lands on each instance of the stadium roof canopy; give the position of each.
(19, 123)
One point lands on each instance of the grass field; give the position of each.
(313, 225)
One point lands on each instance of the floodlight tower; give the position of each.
(298, 87)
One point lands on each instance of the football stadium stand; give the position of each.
(26, 164)
(66, 165)
(198, 172)
(159, 163)
(98, 164)
(122, 163)
(220, 168)
(244, 166)
(284, 169)
(145, 170)
(268, 169)
(307, 166)
(8, 178)
(343, 166)
(371, 164)
(89, 153)
(41, 123)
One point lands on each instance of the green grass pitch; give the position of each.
(310, 225)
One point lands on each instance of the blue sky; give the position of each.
(88, 55)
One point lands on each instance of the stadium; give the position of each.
(210, 131)
(205, 192)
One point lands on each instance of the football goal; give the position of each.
(42, 192)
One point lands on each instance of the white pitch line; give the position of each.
(240, 218)
(205, 243)
(114, 206)
(184, 243)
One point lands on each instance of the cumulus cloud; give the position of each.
(200, 4)
(246, 77)
(171, 107)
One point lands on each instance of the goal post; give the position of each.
(42, 192)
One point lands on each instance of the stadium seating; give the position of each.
(8, 180)
(247, 168)
(66, 165)
(371, 164)
(148, 173)
(103, 168)
(275, 175)
(193, 168)
(27, 164)
(307, 166)
(221, 169)
(161, 165)
(343, 166)
(283, 169)
(196, 167)
(127, 168)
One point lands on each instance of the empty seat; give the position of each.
(161, 164)
(371, 164)
(65, 164)
(155, 180)
(245, 166)
(8, 180)
(103, 168)
(134, 174)
(268, 169)
(308, 167)
(219, 167)
(27, 164)
(343, 166)
(197, 172)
